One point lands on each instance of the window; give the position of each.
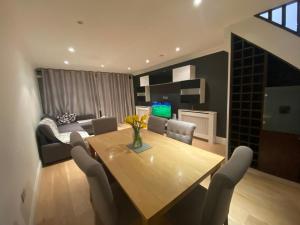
(291, 16)
(277, 15)
(265, 15)
(286, 16)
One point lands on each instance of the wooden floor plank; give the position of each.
(259, 199)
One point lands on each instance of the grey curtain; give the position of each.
(115, 93)
(85, 92)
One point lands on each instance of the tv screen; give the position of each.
(162, 109)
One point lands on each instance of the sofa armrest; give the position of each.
(55, 152)
(46, 131)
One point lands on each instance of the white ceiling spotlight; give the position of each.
(147, 60)
(197, 2)
(102, 66)
(129, 68)
(71, 49)
(177, 49)
(66, 62)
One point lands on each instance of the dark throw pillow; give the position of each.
(66, 118)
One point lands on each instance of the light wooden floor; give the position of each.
(259, 199)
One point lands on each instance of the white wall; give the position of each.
(281, 43)
(19, 115)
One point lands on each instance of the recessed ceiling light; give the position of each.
(102, 66)
(197, 2)
(71, 49)
(177, 49)
(147, 60)
(66, 62)
(129, 68)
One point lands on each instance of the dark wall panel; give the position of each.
(214, 69)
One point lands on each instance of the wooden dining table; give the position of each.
(157, 178)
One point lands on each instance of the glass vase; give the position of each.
(137, 139)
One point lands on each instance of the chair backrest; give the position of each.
(157, 124)
(101, 193)
(104, 125)
(218, 197)
(181, 131)
(77, 140)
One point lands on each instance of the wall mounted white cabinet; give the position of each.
(184, 73)
(147, 94)
(206, 123)
(144, 81)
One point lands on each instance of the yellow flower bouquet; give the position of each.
(137, 124)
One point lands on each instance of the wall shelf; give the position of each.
(189, 90)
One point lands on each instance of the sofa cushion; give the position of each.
(70, 128)
(66, 118)
(87, 126)
(65, 137)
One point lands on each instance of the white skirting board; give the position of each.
(35, 194)
(221, 140)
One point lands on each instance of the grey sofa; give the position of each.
(53, 140)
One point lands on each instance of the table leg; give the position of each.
(217, 168)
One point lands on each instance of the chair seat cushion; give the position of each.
(188, 210)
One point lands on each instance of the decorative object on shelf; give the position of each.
(137, 124)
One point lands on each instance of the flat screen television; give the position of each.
(162, 109)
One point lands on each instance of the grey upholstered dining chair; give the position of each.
(110, 203)
(77, 140)
(157, 124)
(211, 207)
(181, 131)
(105, 125)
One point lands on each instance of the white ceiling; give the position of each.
(123, 33)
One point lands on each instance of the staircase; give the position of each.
(286, 16)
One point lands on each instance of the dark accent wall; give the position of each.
(213, 68)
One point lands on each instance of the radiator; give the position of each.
(205, 122)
